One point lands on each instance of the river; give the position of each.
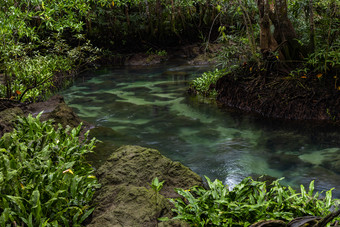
(149, 106)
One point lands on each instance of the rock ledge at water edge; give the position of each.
(126, 198)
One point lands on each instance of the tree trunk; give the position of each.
(284, 30)
(8, 86)
(249, 27)
(159, 24)
(312, 41)
(147, 11)
(172, 13)
(267, 41)
(284, 37)
(127, 15)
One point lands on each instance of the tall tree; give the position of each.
(283, 39)
(267, 41)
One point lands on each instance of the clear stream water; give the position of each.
(149, 106)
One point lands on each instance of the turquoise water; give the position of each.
(150, 107)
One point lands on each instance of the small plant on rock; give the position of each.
(156, 186)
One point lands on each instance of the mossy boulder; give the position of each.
(126, 198)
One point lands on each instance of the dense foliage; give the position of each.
(38, 39)
(302, 46)
(44, 180)
(249, 202)
(142, 24)
(316, 24)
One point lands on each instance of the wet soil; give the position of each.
(272, 92)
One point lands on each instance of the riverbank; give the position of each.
(278, 94)
(54, 108)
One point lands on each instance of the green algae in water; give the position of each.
(150, 107)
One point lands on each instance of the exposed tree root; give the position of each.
(279, 95)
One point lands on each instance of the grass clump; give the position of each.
(249, 202)
(44, 180)
(205, 84)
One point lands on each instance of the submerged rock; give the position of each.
(328, 158)
(282, 141)
(284, 162)
(332, 160)
(126, 197)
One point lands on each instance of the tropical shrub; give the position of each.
(204, 84)
(161, 53)
(324, 61)
(235, 52)
(31, 78)
(44, 180)
(39, 39)
(248, 202)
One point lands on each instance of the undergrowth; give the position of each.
(249, 202)
(205, 84)
(44, 180)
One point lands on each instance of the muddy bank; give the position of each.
(276, 96)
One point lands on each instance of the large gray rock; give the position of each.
(126, 198)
